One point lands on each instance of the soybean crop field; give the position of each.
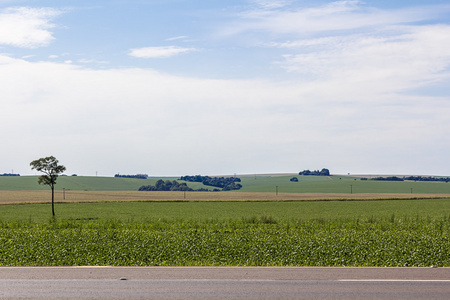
(249, 242)
(316, 233)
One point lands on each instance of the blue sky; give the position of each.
(179, 87)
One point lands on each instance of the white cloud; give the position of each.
(271, 4)
(416, 57)
(27, 27)
(91, 61)
(348, 43)
(159, 52)
(181, 37)
(331, 17)
(143, 119)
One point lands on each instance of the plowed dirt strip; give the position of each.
(17, 197)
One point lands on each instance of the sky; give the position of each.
(185, 87)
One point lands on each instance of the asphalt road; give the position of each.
(223, 283)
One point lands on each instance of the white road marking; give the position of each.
(394, 280)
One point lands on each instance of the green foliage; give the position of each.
(51, 169)
(261, 242)
(168, 185)
(138, 176)
(226, 183)
(390, 178)
(323, 172)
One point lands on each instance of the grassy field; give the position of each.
(266, 184)
(223, 211)
(30, 197)
(339, 184)
(77, 183)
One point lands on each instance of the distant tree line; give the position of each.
(323, 172)
(225, 183)
(390, 178)
(411, 178)
(9, 174)
(139, 176)
(168, 185)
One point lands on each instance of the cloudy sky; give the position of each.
(183, 87)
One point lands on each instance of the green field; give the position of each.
(306, 184)
(224, 211)
(79, 183)
(264, 241)
(312, 233)
(272, 232)
(339, 184)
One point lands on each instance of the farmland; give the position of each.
(25, 189)
(251, 242)
(257, 183)
(105, 221)
(222, 211)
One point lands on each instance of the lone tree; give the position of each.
(49, 166)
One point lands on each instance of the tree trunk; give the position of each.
(53, 200)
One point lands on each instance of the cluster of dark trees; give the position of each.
(226, 183)
(390, 178)
(9, 174)
(139, 176)
(323, 172)
(411, 178)
(168, 185)
(294, 179)
(420, 178)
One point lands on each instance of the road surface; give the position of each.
(223, 283)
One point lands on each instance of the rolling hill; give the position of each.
(255, 183)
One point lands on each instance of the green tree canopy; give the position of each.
(51, 169)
